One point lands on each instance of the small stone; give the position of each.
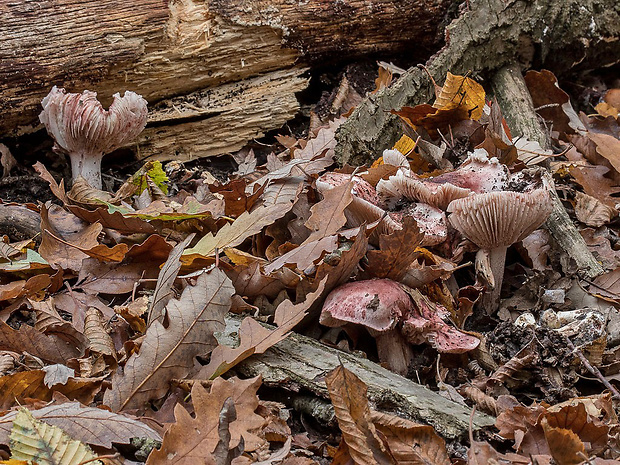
(554, 296)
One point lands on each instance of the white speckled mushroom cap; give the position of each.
(478, 173)
(79, 124)
(499, 219)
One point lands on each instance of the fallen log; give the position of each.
(299, 364)
(164, 50)
(573, 34)
(514, 98)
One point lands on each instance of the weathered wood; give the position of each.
(299, 363)
(514, 98)
(220, 119)
(162, 49)
(557, 35)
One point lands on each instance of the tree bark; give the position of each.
(299, 364)
(195, 51)
(564, 35)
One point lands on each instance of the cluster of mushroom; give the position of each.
(395, 319)
(485, 204)
(480, 196)
(82, 129)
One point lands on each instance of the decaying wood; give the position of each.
(222, 119)
(19, 223)
(166, 49)
(514, 98)
(556, 35)
(300, 364)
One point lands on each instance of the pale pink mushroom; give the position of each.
(496, 220)
(477, 174)
(82, 129)
(431, 221)
(427, 324)
(378, 305)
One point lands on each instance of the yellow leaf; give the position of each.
(35, 441)
(461, 92)
(404, 145)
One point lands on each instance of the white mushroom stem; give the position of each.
(393, 350)
(497, 261)
(88, 166)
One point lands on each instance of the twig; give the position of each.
(592, 369)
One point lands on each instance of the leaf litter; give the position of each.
(113, 321)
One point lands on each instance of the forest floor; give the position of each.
(118, 307)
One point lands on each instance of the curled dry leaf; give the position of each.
(565, 446)
(409, 442)
(349, 397)
(169, 352)
(99, 341)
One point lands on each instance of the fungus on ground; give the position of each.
(494, 221)
(378, 305)
(426, 323)
(430, 220)
(477, 174)
(82, 129)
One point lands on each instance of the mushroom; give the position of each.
(378, 305)
(405, 185)
(430, 220)
(364, 208)
(477, 174)
(427, 323)
(82, 129)
(496, 220)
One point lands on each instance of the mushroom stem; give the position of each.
(497, 260)
(88, 166)
(394, 350)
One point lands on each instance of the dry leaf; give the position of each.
(194, 440)
(233, 234)
(328, 214)
(255, 338)
(165, 281)
(411, 443)
(169, 352)
(99, 341)
(49, 348)
(565, 446)
(349, 397)
(397, 251)
(87, 424)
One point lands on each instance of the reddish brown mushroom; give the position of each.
(378, 305)
(496, 220)
(82, 129)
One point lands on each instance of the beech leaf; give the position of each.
(36, 441)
